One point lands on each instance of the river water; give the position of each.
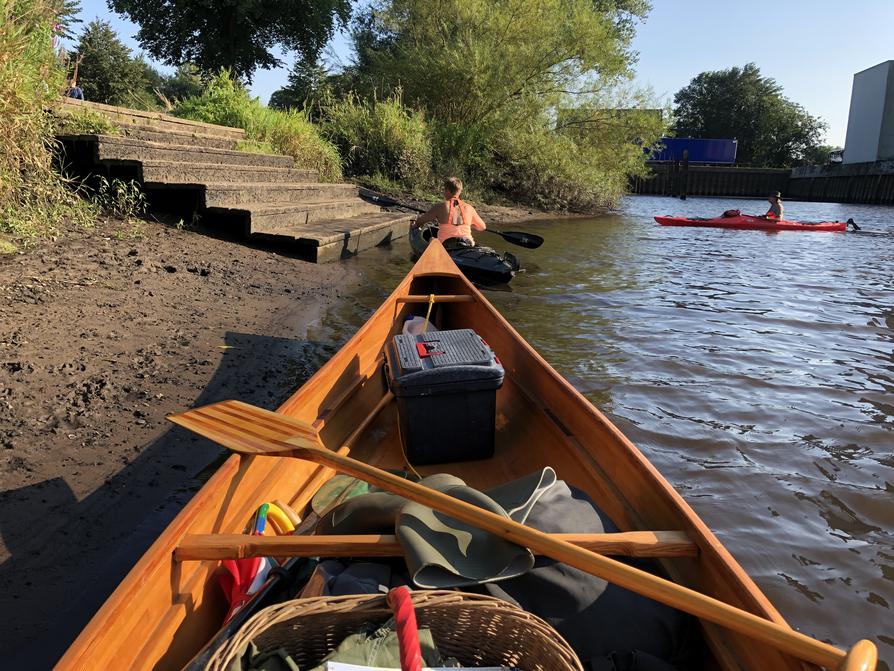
(755, 370)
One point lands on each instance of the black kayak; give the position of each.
(479, 264)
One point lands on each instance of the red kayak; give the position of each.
(746, 222)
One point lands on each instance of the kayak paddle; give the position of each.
(528, 240)
(256, 432)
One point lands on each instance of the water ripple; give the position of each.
(755, 369)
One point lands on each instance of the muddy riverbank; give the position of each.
(102, 334)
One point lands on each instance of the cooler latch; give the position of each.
(425, 349)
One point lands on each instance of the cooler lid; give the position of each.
(450, 358)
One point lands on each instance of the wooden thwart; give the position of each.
(240, 546)
(438, 298)
(257, 432)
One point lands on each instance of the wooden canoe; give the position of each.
(167, 609)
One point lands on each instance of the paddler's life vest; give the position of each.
(451, 230)
(775, 211)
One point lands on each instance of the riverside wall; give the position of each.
(678, 179)
(867, 183)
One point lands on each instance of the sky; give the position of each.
(812, 48)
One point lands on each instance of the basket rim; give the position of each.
(422, 599)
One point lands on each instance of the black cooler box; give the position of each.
(446, 387)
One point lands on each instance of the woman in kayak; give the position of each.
(776, 209)
(455, 218)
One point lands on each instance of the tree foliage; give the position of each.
(66, 17)
(236, 34)
(307, 84)
(740, 103)
(470, 61)
(185, 82)
(493, 77)
(822, 154)
(107, 72)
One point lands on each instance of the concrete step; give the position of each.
(159, 173)
(124, 116)
(152, 134)
(116, 148)
(235, 196)
(336, 239)
(285, 217)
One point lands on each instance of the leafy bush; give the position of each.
(34, 200)
(380, 138)
(225, 101)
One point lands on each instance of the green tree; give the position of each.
(235, 34)
(469, 61)
(740, 103)
(108, 73)
(66, 17)
(186, 82)
(306, 84)
(494, 78)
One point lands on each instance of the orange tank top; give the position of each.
(450, 230)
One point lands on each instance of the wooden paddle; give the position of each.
(253, 431)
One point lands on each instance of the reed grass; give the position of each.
(34, 199)
(381, 139)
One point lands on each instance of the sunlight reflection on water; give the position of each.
(754, 369)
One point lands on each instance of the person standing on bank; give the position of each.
(455, 218)
(776, 209)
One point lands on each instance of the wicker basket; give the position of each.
(476, 630)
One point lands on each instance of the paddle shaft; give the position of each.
(240, 546)
(682, 598)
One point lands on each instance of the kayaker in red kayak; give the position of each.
(776, 209)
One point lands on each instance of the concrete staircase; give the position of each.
(265, 194)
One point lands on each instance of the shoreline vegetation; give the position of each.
(559, 131)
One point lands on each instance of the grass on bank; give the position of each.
(85, 122)
(34, 199)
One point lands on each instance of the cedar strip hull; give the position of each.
(164, 611)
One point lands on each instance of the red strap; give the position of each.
(424, 350)
(407, 632)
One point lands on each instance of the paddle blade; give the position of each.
(245, 429)
(528, 240)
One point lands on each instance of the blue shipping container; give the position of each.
(701, 150)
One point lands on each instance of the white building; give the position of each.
(870, 123)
